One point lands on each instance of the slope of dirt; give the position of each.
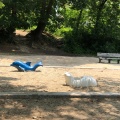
(21, 46)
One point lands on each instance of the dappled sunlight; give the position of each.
(21, 32)
(54, 81)
(50, 78)
(56, 108)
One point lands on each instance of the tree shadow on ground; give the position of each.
(7, 78)
(60, 108)
(56, 108)
(7, 86)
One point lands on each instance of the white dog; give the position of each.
(84, 81)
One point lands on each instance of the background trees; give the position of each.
(86, 26)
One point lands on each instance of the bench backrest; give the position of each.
(108, 55)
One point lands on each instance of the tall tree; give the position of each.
(45, 12)
(78, 5)
(99, 12)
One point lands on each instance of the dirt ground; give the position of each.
(50, 78)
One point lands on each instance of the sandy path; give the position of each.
(50, 77)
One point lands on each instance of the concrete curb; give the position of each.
(34, 95)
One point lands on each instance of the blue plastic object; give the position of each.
(21, 66)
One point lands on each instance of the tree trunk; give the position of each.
(100, 7)
(45, 13)
(78, 21)
(12, 26)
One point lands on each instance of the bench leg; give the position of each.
(109, 61)
(118, 61)
(99, 60)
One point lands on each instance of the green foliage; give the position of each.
(1, 5)
(61, 32)
(87, 26)
(98, 28)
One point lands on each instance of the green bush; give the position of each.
(62, 31)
